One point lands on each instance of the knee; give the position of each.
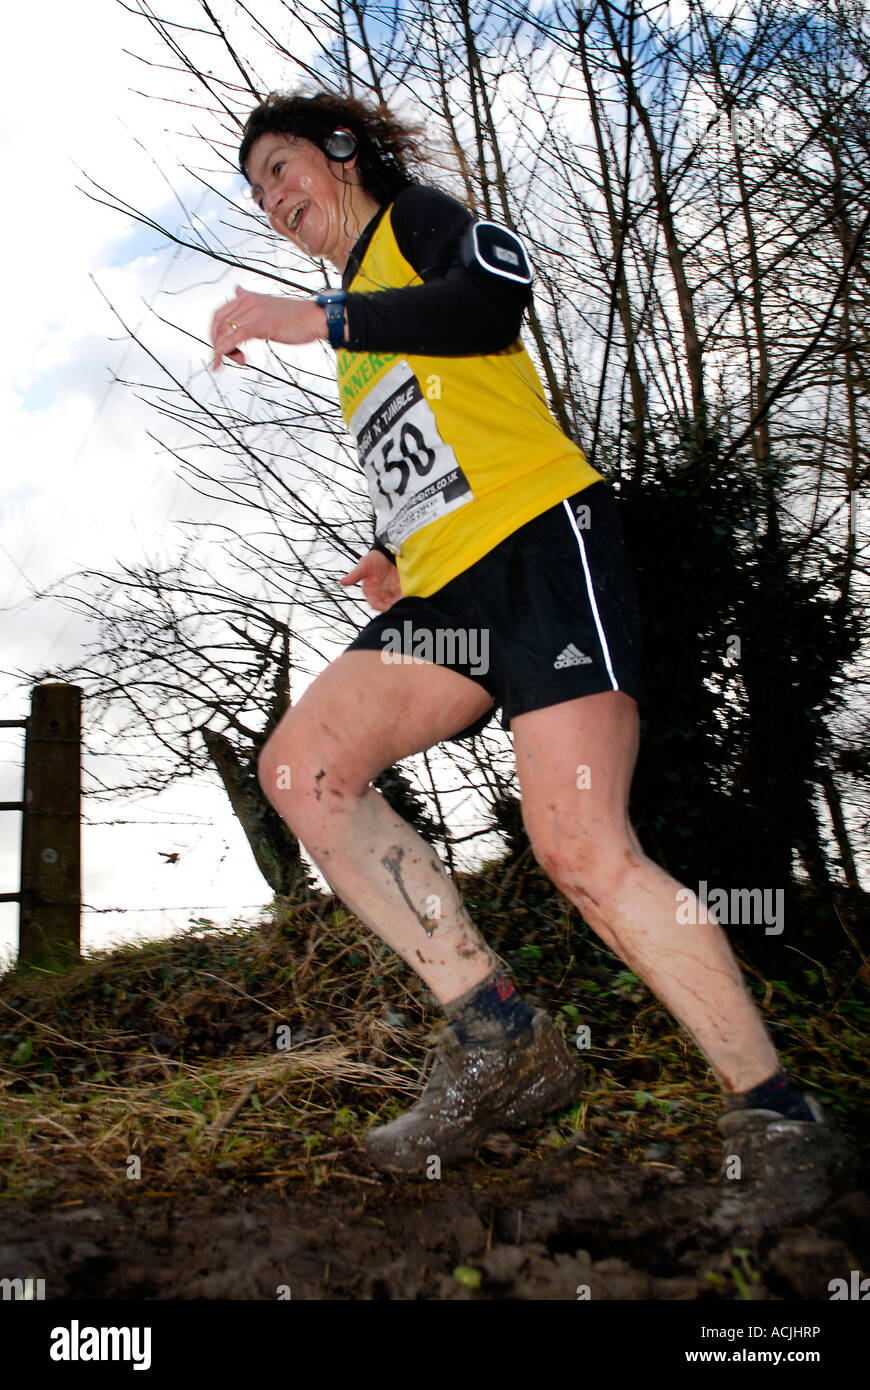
(573, 869)
(299, 782)
(590, 871)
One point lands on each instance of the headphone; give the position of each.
(340, 146)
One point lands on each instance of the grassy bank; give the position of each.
(259, 1055)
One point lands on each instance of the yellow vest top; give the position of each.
(458, 452)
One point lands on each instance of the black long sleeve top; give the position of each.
(461, 309)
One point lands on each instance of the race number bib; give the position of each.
(413, 476)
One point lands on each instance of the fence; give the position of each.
(50, 892)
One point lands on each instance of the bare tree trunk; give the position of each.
(477, 83)
(274, 846)
(685, 297)
(760, 436)
(471, 193)
(841, 833)
(851, 371)
(620, 289)
(359, 16)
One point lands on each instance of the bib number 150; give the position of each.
(414, 453)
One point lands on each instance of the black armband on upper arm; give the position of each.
(495, 249)
(476, 284)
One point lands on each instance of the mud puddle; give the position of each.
(560, 1228)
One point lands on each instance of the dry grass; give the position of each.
(245, 1046)
(187, 1124)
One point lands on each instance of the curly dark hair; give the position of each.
(387, 148)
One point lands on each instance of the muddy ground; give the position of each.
(252, 1176)
(530, 1229)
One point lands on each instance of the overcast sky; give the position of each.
(82, 484)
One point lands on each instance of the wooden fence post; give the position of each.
(51, 894)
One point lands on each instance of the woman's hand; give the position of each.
(380, 580)
(268, 316)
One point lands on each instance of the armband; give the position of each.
(496, 250)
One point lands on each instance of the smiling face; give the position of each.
(316, 203)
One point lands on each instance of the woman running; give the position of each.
(498, 560)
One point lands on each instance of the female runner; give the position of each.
(498, 560)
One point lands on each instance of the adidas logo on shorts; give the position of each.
(571, 656)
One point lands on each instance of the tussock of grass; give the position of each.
(263, 1053)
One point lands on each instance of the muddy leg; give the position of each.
(356, 719)
(580, 831)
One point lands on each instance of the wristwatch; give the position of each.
(333, 301)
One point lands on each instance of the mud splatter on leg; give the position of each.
(392, 862)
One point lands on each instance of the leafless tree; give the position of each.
(694, 192)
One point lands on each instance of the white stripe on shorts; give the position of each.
(598, 624)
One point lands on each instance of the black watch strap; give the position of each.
(379, 545)
(333, 301)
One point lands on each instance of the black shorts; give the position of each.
(548, 615)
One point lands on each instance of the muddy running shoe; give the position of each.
(473, 1091)
(788, 1169)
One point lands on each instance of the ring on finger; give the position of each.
(232, 325)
